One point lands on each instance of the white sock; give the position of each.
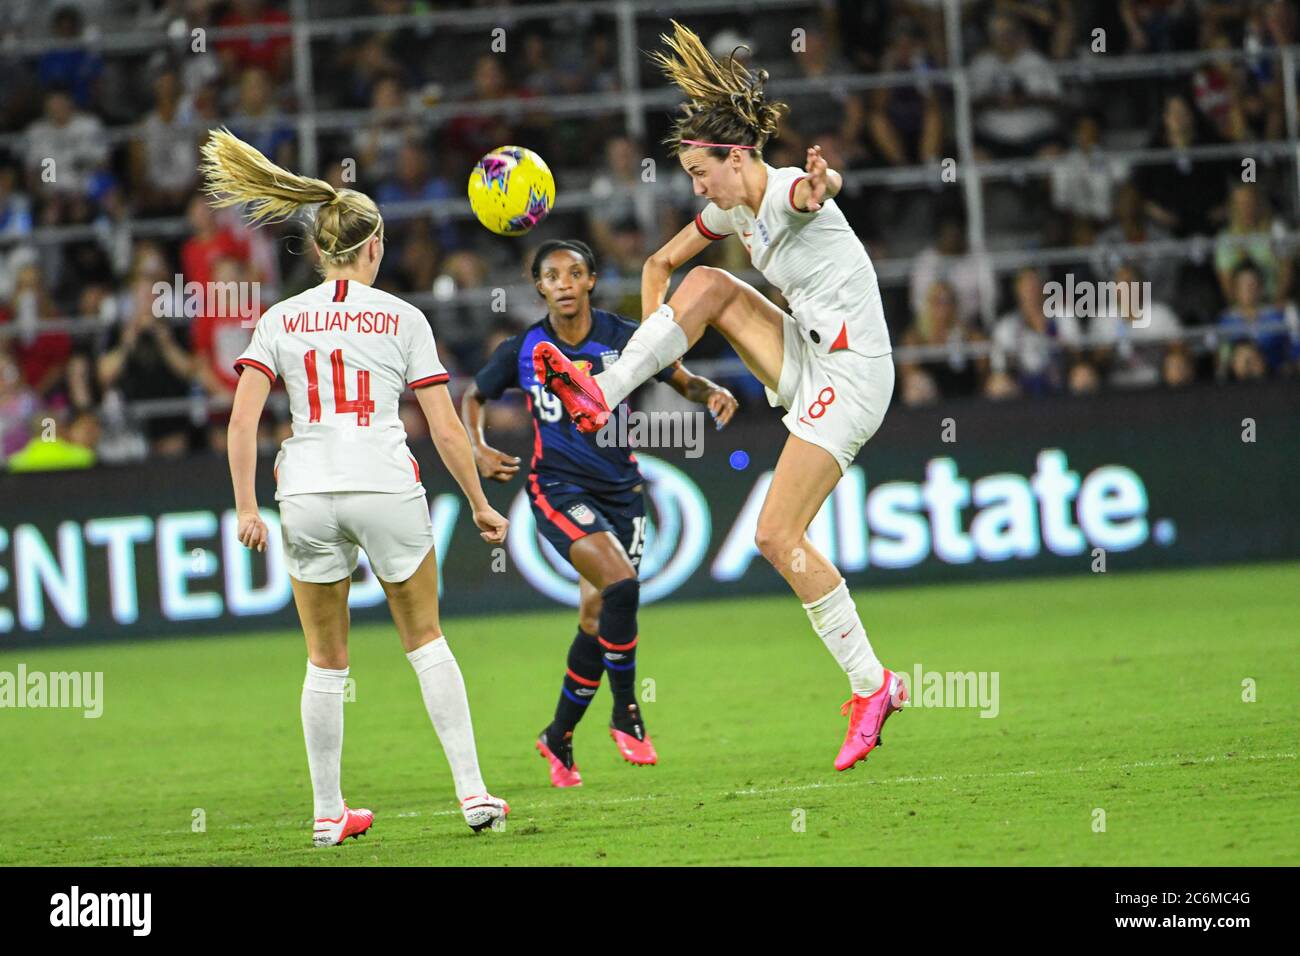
(835, 619)
(322, 726)
(658, 343)
(444, 698)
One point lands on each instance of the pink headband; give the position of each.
(696, 142)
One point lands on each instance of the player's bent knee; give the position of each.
(623, 595)
(775, 544)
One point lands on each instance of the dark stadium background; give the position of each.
(989, 149)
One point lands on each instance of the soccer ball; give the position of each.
(511, 190)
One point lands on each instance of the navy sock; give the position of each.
(581, 681)
(618, 637)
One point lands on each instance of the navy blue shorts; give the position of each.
(564, 513)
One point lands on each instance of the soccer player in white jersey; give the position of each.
(346, 480)
(827, 361)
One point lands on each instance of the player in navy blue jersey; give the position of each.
(587, 495)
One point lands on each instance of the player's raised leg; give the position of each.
(323, 611)
(707, 296)
(805, 475)
(414, 605)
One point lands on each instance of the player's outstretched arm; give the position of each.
(659, 268)
(452, 442)
(820, 184)
(241, 447)
(492, 463)
(721, 403)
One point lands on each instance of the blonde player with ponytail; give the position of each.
(346, 480)
(827, 361)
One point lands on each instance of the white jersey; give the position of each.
(346, 352)
(815, 259)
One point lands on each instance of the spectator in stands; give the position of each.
(376, 145)
(1049, 24)
(905, 122)
(146, 359)
(470, 135)
(1085, 179)
(164, 152)
(258, 120)
(1184, 195)
(1036, 350)
(617, 186)
(262, 50)
(42, 355)
(414, 181)
(828, 109)
(950, 261)
(1131, 339)
(209, 242)
(67, 160)
(18, 405)
(1134, 224)
(71, 65)
(219, 337)
(1250, 319)
(1249, 237)
(1159, 26)
(15, 207)
(1015, 93)
(1179, 367)
(953, 375)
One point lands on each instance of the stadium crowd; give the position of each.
(95, 142)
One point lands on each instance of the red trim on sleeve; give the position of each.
(705, 231)
(440, 379)
(415, 467)
(793, 186)
(240, 363)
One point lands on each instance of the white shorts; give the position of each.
(322, 533)
(837, 400)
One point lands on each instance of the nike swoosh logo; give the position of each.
(848, 632)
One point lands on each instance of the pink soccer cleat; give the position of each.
(559, 754)
(352, 823)
(867, 715)
(632, 740)
(576, 390)
(485, 811)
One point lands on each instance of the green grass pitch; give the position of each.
(1119, 692)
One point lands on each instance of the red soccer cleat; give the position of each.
(867, 715)
(352, 823)
(576, 390)
(634, 743)
(564, 770)
(485, 811)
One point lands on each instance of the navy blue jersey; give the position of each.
(560, 451)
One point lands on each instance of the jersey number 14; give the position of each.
(362, 406)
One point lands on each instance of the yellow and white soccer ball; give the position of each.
(511, 190)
